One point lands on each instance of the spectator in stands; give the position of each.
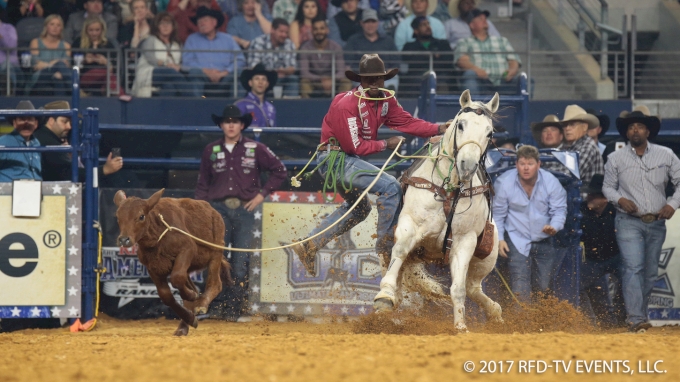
(51, 57)
(91, 7)
(346, 22)
(335, 9)
(529, 208)
(601, 256)
(18, 165)
(600, 130)
(133, 32)
(285, 9)
(232, 8)
(62, 8)
(301, 27)
(418, 8)
(211, 67)
(576, 123)
(548, 134)
(185, 10)
(250, 23)
(635, 182)
(8, 57)
(370, 41)
(160, 63)
(257, 82)
(442, 55)
(509, 143)
(229, 178)
(21, 9)
(441, 13)
(316, 68)
(283, 61)
(456, 27)
(98, 57)
(486, 70)
(391, 12)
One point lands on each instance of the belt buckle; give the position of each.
(232, 203)
(648, 218)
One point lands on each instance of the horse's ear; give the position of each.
(151, 202)
(465, 99)
(493, 104)
(119, 198)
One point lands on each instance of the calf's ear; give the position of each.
(119, 198)
(151, 202)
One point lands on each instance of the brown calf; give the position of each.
(176, 255)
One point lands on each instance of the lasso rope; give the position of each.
(169, 228)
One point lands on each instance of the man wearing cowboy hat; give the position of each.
(207, 54)
(351, 126)
(229, 179)
(258, 81)
(548, 134)
(404, 31)
(600, 130)
(575, 124)
(635, 181)
(185, 10)
(456, 27)
(20, 165)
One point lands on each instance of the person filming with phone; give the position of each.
(54, 131)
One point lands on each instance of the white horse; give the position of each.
(422, 222)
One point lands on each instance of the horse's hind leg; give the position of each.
(386, 299)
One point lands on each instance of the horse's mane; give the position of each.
(481, 105)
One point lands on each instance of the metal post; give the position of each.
(530, 36)
(633, 49)
(604, 43)
(581, 34)
(509, 8)
(8, 67)
(108, 74)
(236, 74)
(624, 49)
(88, 209)
(75, 123)
(333, 79)
(431, 62)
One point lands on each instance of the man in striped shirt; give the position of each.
(635, 181)
(489, 62)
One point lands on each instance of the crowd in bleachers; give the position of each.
(199, 47)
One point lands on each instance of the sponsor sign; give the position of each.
(664, 304)
(40, 258)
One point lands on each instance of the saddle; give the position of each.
(450, 198)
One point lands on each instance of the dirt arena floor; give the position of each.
(336, 350)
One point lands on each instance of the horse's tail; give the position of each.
(416, 278)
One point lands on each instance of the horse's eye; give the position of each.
(141, 217)
(479, 111)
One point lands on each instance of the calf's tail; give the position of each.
(225, 273)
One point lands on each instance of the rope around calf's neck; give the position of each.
(169, 228)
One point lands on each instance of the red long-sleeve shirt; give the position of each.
(355, 123)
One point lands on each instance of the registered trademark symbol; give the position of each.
(52, 239)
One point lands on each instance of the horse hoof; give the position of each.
(200, 310)
(383, 305)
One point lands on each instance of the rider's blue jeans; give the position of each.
(389, 199)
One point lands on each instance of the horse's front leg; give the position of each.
(405, 236)
(461, 253)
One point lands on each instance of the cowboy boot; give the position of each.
(306, 253)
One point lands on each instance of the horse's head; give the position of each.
(469, 134)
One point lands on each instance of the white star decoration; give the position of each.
(55, 312)
(291, 308)
(311, 198)
(256, 254)
(73, 210)
(73, 230)
(15, 312)
(256, 289)
(73, 311)
(258, 215)
(257, 233)
(73, 190)
(664, 313)
(255, 307)
(362, 310)
(326, 309)
(56, 189)
(73, 251)
(275, 197)
(308, 309)
(344, 310)
(35, 312)
(256, 271)
(293, 197)
(72, 291)
(73, 271)
(272, 308)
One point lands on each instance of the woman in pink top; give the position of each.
(301, 27)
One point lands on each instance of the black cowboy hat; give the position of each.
(604, 121)
(338, 3)
(370, 66)
(512, 140)
(248, 75)
(473, 14)
(595, 185)
(22, 105)
(203, 11)
(641, 115)
(232, 111)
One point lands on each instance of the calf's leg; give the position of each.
(180, 276)
(168, 299)
(213, 285)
